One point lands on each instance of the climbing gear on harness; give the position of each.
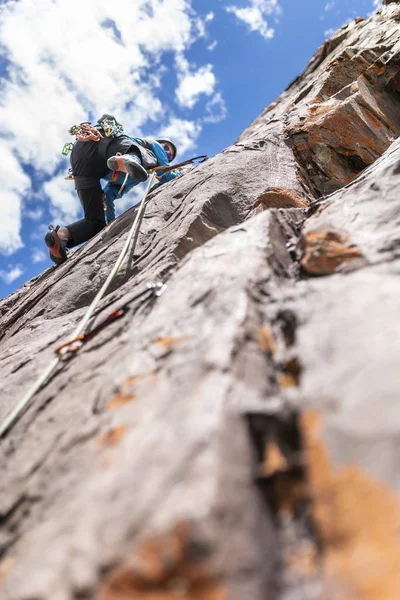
(67, 148)
(110, 126)
(128, 163)
(85, 132)
(56, 245)
(70, 175)
(169, 147)
(14, 415)
(75, 344)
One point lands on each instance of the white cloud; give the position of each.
(14, 188)
(12, 274)
(376, 4)
(329, 32)
(212, 46)
(65, 205)
(39, 232)
(255, 15)
(330, 5)
(34, 213)
(39, 255)
(88, 59)
(216, 110)
(192, 84)
(201, 24)
(184, 133)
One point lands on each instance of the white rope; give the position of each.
(18, 410)
(121, 189)
(120, 258)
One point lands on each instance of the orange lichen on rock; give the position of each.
(112, 437)
(276, 197)
(350, 122)
(274, 461)
(266, 339)
(357, 520)
(165, 567)
(325, 250)
(132, 380)
(5, 566)
(126, 394)
(169, 343)
(119, 400)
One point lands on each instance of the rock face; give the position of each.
(235, 438)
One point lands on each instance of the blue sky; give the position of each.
(197, 70)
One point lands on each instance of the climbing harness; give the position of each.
(14, 415)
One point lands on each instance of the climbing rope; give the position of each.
(14, 415)
(121, 189)
(85, 132)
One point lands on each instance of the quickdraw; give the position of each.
(72, 345)
(67, 148)
(200, 159)
(166, 168)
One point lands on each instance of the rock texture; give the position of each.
(236, 438)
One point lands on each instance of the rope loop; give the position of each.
(85, 132)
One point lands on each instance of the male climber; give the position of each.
(98, 150)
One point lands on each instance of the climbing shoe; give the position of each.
(128, 163)
(56, 246)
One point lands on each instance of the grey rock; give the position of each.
(173, 454)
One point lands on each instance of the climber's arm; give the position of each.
(169, 176)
